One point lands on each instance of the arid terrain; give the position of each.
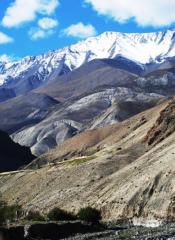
(125, 169)
(87, 120)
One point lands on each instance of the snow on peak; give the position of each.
(139, 47)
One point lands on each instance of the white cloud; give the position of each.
(5, 38)
(38, 33)
(80, 30)
(47, 23)
(145, 12)
(44, 29)
(22, 11)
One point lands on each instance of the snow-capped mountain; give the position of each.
(142, 48)
(121, 81)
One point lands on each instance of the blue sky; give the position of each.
(37, 26)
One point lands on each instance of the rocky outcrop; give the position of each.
(164, 126)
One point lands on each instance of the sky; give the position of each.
(32, 27)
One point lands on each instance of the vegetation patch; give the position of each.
(57, 214)
(9, 213)
(15, 214)
(89, 214)
(77, 161)
(35, 216)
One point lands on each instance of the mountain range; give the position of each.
(34, 71)
(100, 117)
(103, 80)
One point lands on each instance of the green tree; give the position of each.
(89, 214)
(57, 214)
(11, 213)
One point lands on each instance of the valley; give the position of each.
(92, 125)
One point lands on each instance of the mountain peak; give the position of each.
(141, 48)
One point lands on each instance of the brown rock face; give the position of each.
(164, 126)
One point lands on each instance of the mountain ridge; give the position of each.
(96, 94)
(69, 98)
(142, 48)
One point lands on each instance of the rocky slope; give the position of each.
(164, 126)
(96, 94)
(24, 111)
(12, 155)
(111, 168)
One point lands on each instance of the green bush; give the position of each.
(10, 213)
(34, 216)
(89, 214)
(13, 212)
(57, 214)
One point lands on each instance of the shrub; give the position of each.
(3, 214)
(11, 213)
(89, 214)
(57, 214)
(34, 216)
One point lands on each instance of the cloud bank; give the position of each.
(156, 13)
(22, 11)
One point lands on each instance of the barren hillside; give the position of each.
(112, 168)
